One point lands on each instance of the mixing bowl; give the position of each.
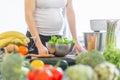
(59, 50)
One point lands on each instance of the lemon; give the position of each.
(37, 63)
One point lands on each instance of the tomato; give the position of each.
(40, 74)
(45, 75)
(32, 74)
(48, 66)
(23, 50)
(37, 63)
(47, 72)
(57, 73)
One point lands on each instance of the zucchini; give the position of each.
(64, 62)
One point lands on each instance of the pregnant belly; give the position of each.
(49, 19)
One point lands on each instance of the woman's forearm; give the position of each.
(32, 27)
(71, 20)
(29, 10)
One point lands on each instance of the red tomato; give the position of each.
(57, 73)
(23, 50)
(33, 74)
(45, 75)
(48, 66)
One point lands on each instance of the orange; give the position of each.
(23, 50)
(37, 63)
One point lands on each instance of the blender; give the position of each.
(95, 40)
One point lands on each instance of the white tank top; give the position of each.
(48, 16)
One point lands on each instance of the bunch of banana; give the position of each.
(13, 37)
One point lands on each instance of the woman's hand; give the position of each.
(78, 48)
(42, 50)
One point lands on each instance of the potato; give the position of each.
(11, 48)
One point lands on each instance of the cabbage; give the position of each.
(107, 71)
(80, 72)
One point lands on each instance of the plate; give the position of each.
(42, 55)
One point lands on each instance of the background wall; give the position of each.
(12, 13)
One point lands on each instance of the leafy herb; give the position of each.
(62, 40)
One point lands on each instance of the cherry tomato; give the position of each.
(23, 50)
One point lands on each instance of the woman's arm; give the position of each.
(71, 20)
(29, 16)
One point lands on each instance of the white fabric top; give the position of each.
(49, 17)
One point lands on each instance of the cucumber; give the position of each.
(64, 62)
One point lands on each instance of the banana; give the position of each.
(14, 34)
(4, 42)
(26, 40)
(18, 42)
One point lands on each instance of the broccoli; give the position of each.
(11, 67)
(91, 58)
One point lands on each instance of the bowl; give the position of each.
(59, 50)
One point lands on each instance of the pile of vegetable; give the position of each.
(103, 71)
(91, 66)
(91, 58)
(111, 52)
(62, 40)
(41, 71)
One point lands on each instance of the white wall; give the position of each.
(12, 13)
(95, 9)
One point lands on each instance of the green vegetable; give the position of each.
(113, 56)
(80, 72)
(119, 77)
(62, 40)
(53, 61)
(107, 71)
(1, 56)
(52, 40)
(11, 67)
(111, 37)
(111, 52)
(91, 58)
